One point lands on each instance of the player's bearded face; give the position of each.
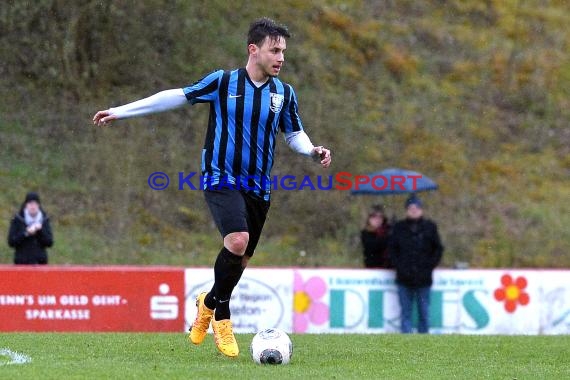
(271, 55)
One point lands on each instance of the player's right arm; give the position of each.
(204, 90)
(160, 102)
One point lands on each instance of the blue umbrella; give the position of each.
(392, 181)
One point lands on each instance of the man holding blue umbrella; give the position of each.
(415, 250)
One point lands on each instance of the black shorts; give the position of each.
(236, 211)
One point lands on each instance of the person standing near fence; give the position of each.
(30, 232)
(374, 239)
(415, 250)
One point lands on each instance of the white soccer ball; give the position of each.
(271, 346)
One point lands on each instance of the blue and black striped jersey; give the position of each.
(243, 125)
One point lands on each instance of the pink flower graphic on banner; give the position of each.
(306, 305)
(512, 292)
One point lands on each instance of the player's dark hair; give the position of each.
(265, 27)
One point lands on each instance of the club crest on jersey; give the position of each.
(276, 102)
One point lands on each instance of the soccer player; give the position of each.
(248, 106)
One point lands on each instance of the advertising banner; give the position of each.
(462, 301)
(91, 299)
(262, 299)
(554, 302)
(501, 301)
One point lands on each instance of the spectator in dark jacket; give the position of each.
(30, 232)
(415, 250)
(374, 239)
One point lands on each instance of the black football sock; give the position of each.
(238, 277)
(223, 312)
(210, 300)
(227, 271)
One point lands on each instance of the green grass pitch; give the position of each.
(391, 356)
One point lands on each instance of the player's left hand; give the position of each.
(324, 155)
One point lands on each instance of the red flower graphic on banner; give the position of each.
(512, 292)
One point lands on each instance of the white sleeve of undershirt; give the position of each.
(160, 102)
(299, 142)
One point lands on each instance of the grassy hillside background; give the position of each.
(474, 94)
